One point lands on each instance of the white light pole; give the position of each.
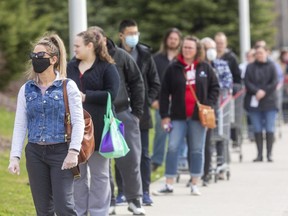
(244, 22)
(77, 20)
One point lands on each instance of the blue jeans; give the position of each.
(263, 120)
(159, 141)
(195, 134)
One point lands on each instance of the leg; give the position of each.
(100, 191)
(270, 128)
(196, 140)
(81, 191)
(113, 199)
(207, 156)
(256, 120)
(159, 143)
(62, 180)
(39, 179)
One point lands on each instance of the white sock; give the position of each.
(169, 186)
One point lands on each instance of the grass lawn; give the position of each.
(15, 198)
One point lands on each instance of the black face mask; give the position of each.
(40, 64)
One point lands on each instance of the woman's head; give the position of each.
(261, 53)
(48, 51)
(192, 49)
(91, 43)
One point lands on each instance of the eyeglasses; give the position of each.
(38, 55)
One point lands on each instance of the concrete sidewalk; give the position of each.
(254, 189)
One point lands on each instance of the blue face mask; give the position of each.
(132, 40)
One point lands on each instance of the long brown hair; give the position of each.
(55, 47)
(98, 42)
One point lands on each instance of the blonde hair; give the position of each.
(200, 54)
(97, 39)
(55, 47)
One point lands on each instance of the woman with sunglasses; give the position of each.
(95, 74)
(40, 111)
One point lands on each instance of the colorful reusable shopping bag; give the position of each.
(113, 144)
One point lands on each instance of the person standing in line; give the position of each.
(169, 49)
(178, 107)
(41, 112)
(95, 74)
(129, 36)
(129, 109)
(261, 100)
(225, 79)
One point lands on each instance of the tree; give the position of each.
(18, 28)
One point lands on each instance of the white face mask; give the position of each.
(132, 40)
(211, 54)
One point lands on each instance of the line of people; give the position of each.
(137, 81)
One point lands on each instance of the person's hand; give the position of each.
(260, 94)
(155, 105)
(165, 124)
(14, 166)
(83, 96)
(71, 160)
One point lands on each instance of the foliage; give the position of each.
(22, 21)
(18, 27)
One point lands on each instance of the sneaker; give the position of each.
(112, 210)
(146, 200)
(195, 191)
(164, 191)
(135, 207)
(120, 199)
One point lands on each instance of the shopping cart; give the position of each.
(222, 134)
(237, 125)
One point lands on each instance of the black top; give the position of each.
(101, 78)
(261, 76)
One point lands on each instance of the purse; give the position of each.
(88, 142)
(113, 144)
(206, 113)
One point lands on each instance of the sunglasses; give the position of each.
(38, 55)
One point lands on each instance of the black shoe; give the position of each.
(258, 159)
(135, 207)
(154, 166)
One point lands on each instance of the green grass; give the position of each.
(15, 195)
(6, 123)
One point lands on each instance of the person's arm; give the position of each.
(271, 86)
(135, 84)
(76, 112)
(20, 125)
(165, 94)
(153, 81)
(213, 87)
(249, 81)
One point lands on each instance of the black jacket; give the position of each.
(131, 90)
(101, 78)
(174, 86)
(261, 76)
(151, 80)
(231, 59)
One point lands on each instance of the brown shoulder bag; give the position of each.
(88, 142)
(206, 113)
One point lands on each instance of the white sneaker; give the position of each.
(112, 210)
(195, 191)
(135, 207)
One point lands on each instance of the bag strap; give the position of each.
(108, 106)
(67, 120)
(191, 89)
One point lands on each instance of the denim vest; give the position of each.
(45, 113)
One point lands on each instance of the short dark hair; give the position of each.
(126, 23)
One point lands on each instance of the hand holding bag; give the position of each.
(206, 113)
(113, 144)
(88, 142)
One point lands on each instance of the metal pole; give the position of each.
(244, 22)
(77, 20)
